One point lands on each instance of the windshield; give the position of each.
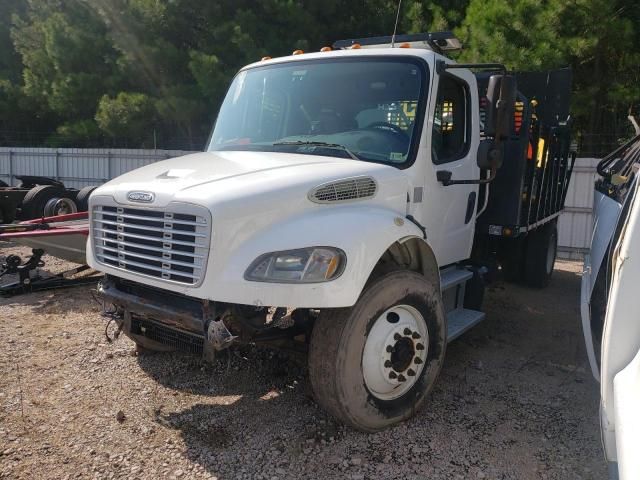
(365, 109)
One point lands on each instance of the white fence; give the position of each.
(78, 167)
(576, 221)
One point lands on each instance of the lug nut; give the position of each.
(417, 360)
(407, 331)
(411, 373)
(419, 346)
(401, 378)
(416, 335)
(393, 375)
(389, 348)
(387, 364)
(397, 336)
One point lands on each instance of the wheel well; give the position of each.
(408, 254)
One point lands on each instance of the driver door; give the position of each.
(452, 141)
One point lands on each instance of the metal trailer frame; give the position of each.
(11, 197)
(29, 280)
(43, 233)
(530, 188)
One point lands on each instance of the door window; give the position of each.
(451, 133)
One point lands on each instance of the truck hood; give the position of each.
(214, 178)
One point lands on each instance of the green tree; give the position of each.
(122, 69)
(523, 34)
(603, 43)
(68, 62)
(599, 39)
(126, 116)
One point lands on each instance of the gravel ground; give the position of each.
(515, 400)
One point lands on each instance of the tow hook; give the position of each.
(217, 338)
(218, 335)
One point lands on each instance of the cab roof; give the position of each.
(368, 52)
(423, 45)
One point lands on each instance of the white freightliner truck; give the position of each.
(609, 307)
(349, 205)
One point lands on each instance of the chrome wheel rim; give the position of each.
(395, 352)
(60, 206)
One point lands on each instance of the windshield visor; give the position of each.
(365, 108)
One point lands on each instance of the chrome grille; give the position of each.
(344, 190)
(165, 244)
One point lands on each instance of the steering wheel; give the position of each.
(387, 127)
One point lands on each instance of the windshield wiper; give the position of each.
(320, 144)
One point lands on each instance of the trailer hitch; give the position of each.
(13, 264)
(30, 281)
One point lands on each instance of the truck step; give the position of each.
(461, 320)
(452, 277)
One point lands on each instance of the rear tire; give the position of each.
(357, 355)
(542, 247)
(36, 199)
(82, 199)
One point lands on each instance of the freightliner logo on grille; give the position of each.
(143, 197)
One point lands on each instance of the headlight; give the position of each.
(304, 265)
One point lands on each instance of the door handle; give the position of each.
(444, 177)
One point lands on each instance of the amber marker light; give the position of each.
(356, 46)
(265, 58)
(405, 45)
(333, 267)
(297, 52)
(325, 49)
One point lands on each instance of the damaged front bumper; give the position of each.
(162, 320)
(158, 319)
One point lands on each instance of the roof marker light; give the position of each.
(297, 52)
(355, 46)
(265, 58)
(325, 49)
(404, 45)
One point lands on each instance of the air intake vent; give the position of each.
(344, 190)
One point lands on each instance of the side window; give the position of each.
(450, 137)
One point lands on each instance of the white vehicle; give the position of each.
(610, 318)
(348, 206)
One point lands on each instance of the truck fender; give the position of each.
(366, 234)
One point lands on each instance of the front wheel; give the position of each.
(372, 365)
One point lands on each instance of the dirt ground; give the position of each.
(515, 400)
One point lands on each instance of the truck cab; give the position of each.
(334, 213)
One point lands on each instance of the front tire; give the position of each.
(372, 365)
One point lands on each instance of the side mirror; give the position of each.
(501, 99)
(489, 155)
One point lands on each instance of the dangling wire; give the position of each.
(111, 339)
